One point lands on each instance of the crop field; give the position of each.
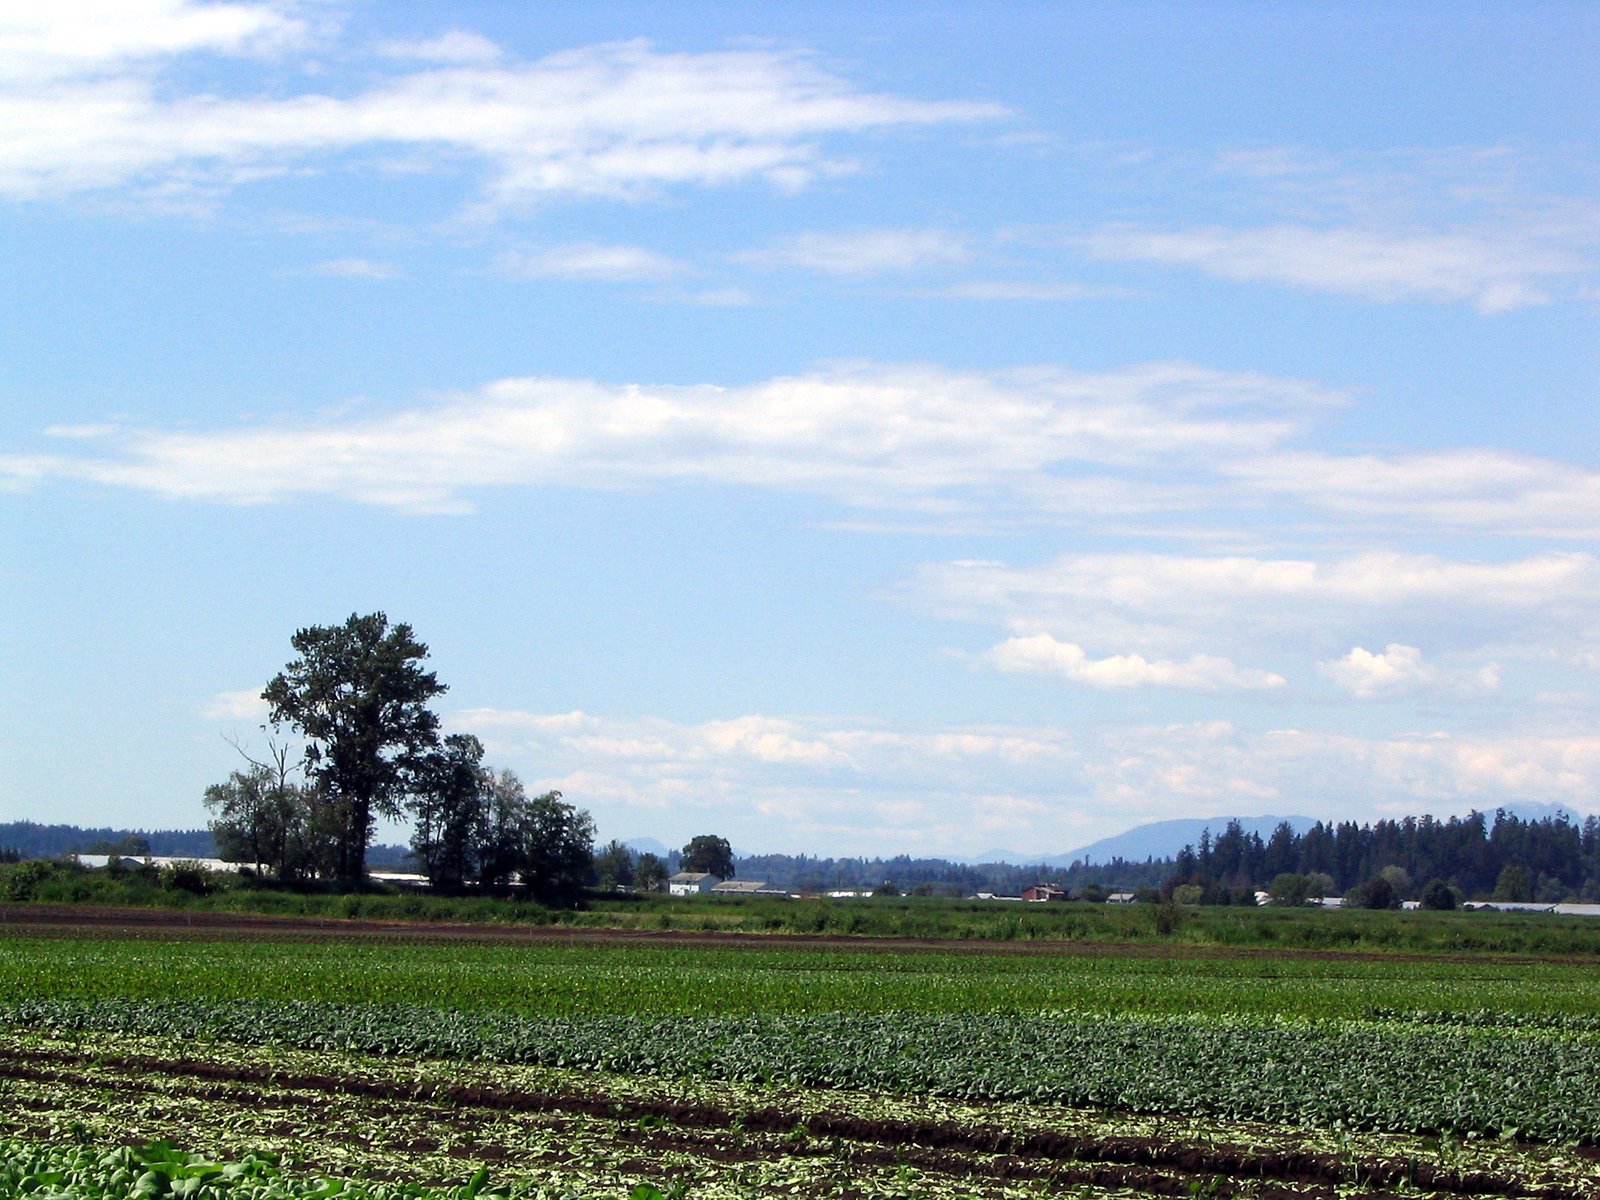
(604, 1067)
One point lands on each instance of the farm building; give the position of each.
(1039, 893)
(745, 887)
(691, 883)
(98, 861)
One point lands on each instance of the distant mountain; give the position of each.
(1159, 839)
(646, 846)
(1530, 811)
(1166, 839)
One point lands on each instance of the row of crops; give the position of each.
(586, 1070)
(541, 1131)
(543, 979)
(160, 1171)
(1540, 1083)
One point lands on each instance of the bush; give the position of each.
(1375, 893)
(1290, 890)
(1438, 896)
(189, 877)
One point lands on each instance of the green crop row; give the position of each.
(545, 979)
(1385, 1075)
(158, 1171)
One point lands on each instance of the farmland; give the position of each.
(586, 1065)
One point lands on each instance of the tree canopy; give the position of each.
(358, 695)
(710, 854)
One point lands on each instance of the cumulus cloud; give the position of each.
(784, 783)
(865, 252)
(1400, 669)
(1042, 654)
(1366, 674)
(236, 706)
(85, 109)
(1177, 609)
(1328, 773)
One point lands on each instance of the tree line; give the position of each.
(1502, 858)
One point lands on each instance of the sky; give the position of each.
(846, 429)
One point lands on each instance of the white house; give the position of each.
(691, 883)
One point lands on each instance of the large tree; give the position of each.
(709, 853)
(261, 818)
(557, 852)
(613, 866)
(358, 695)
(450, 813)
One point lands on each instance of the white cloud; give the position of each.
(1365, 674)
(921, 438)
(1400, 669)
(236, 706)
(1177, 609)
(1159, 448)
(1480, 490)
(357, 268)
(1493, 274)
(83, 112)
(865, 252)
(78, 38)
(590, 261)
(792, 783)
(1337, 776)
(1018, 289)
(1042, 654)
(455, 46)
(728, 297)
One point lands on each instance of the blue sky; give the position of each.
(846, 429)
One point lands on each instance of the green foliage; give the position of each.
(1291, 889)
(709, 854)
(159, 1171)
(613, 867)
(1374, 1074)
(1376, 893)
(188, 876)
(1513, 885)
(650, 873)
(358, 695)
(1438, 896)
(261, 818)
(450, 806)
(557, 850)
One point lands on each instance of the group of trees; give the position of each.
(1508, 859)
(358, 697)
